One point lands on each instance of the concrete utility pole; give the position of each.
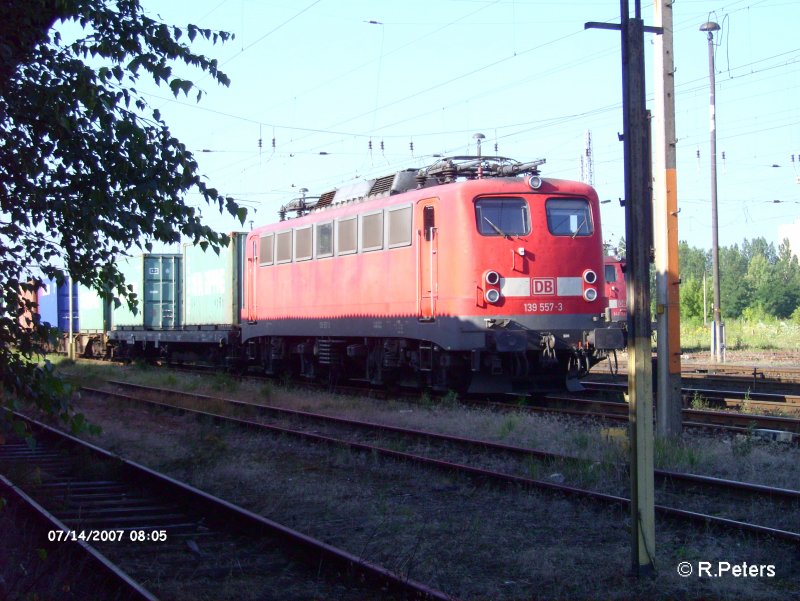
(668, 415)
(718, 331)
(638, 233)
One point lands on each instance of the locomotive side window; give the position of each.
(266, 250)
(502, 217)
(302, 244)
(611, 273)
(283, 249)
(324, 240)
(372, 231)
(428, 222)
(347, 236)
(569, 217)
(399, 227)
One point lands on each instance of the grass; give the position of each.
(675, 455)
(223, 382)
(508, 425)
(744, 335)
(699, 401)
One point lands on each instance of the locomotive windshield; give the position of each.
(502, 217)
(569, 217)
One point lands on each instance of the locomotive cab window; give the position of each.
(611, 273)
(569, 217)
(502, 217)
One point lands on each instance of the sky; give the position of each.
(326, 91)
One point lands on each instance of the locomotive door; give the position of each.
(427, 260)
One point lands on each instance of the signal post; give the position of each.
(638, 240)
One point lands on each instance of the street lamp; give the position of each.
(717, 336)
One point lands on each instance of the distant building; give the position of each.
(792, 232)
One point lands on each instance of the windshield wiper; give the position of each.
(577, 231)
(495, 228)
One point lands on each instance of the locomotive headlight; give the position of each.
(492, 278)
(535, 182)
(492, 296)
(589, 276)
(590, 294)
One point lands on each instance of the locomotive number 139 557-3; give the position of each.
(542, 307)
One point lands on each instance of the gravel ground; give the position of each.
(481, 543)
(476, 542)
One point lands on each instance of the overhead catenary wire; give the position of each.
(338, 140)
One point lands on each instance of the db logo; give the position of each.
(544, 286)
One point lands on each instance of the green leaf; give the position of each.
(241, 213)
(90, 174)
(180, 85)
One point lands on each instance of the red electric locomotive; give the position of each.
(616, 290)
(472, 274)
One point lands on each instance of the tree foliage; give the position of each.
(735, 288)
(755, 281)
(87, 169)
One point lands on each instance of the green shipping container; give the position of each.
(94, 314)
(213, 283)
(157, 283)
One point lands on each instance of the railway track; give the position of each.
(778, 410)
(144, 527)
(774, 427)
(475, 458)
(716, 396)
(618, 411)
(755, 378)
(757, 373)
(80, 568)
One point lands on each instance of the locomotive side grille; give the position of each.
(326, 199)
(382, 185)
